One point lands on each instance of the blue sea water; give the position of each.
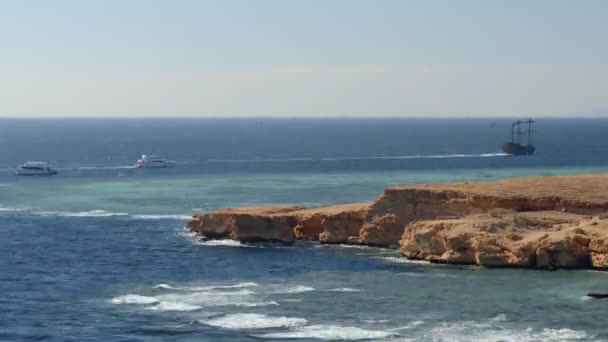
(99, 252)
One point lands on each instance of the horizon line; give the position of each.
(153, 117)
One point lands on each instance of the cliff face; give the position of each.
(546, 222)
(333, 224)
(509, 239)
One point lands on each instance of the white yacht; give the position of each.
(32, 168)
(151, 161)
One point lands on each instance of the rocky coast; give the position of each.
(543, 222)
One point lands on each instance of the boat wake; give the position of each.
(287, 160)
(415, 156)
(85, 168)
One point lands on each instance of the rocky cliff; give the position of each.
(544, 222)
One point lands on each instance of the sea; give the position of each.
(99, 252)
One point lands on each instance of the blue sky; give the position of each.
(303, 58)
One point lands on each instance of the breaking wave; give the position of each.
(475, 331)
(134, 299)
(162, 217)
(330, 333)
(90, 213)
(247, 321)
(10, 209)
(344, 289)
(172, 306)
(290, 289)
(404, 260)
(95, 213)
(223, 243)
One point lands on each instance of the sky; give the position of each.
(322, 58)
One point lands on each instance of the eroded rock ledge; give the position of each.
(543, 222)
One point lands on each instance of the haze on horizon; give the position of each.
(303, 58)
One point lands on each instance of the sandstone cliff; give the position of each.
(543, 222)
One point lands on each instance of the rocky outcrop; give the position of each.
(545, 222)
(251, 224)
(332, 224)
(543, 240)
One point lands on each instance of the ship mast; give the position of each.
(519, 132)
(513, 133)
(530, 131)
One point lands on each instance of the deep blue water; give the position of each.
(99, 253)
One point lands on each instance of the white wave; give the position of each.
(410, 325)
(185, 233)
(11, 209)
(4, 185)
(330, 332)
(255, 304)
(162, 217)
(586, 298)
(243, 285)
(90, 213)
(290, 289)
(500, 318)
(475, 331)
(376, 321)
(171, 306)
(232, 286)
(248, 321)
(206, 298)
(354, 246)
(404, 260)
(224, 243)
(134, 299)
(345, 289)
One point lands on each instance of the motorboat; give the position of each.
(33, 168)
(153, 162)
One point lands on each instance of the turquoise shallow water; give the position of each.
(99, 253)
(161, 195)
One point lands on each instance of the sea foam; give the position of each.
(330, 333)
(246, 321)
(173, 306)
(161, 217)
(478, 332)
(89, 213)
(344, 289)
(206, 298)
(289, 289)
(134, 299)
(403, 260)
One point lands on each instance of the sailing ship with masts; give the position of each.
(515, 146)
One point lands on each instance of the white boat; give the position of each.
(32, 168)
(154, 162)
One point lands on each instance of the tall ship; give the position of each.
(515, 146)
